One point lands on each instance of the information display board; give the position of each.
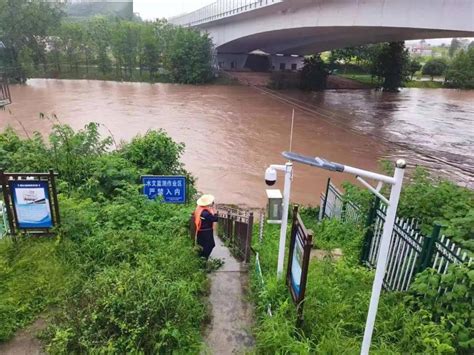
(31, 202)
(172, 189)
(298, 260)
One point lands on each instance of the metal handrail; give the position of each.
(218, 10)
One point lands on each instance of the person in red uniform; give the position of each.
(204, 218)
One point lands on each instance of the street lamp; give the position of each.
(270, 179)
(396, 186)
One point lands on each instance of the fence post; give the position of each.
(262, 226)
(323, 215)
(369, 234)
(428, 248)
(248, 240)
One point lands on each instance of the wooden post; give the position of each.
(304, 276)
(248, 239)
(57, 218)
(6, 198)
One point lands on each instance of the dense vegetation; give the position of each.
(121, 274)
(314, 74)
(337, 298)
(373, 64)
(388, 63)
(460, 73)
(48, 44)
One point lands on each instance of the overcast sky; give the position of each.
(151, 9)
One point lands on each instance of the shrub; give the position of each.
(453, 307)
(460, 73)
(314, 73)
(434, 67)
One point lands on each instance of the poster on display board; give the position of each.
(32, 204)
(297, 265)
(298, 261)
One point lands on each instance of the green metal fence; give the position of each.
(333, 205)
(410, 250)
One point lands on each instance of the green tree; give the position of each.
(26, 24)
(454, 47)
(188, 56)
(413, 67)
(460, 72)
(150, 49)
(73, 37)
(434, 67)
(314, 73)
(100, 34)
(124, 41)
(390, 62)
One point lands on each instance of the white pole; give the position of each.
(284, 219)
(383, 253)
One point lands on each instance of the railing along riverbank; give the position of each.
(410, 250)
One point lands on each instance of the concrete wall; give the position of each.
(286, 63)
(227, 61)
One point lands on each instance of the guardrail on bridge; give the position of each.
(218, 10)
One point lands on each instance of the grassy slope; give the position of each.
(337, 298)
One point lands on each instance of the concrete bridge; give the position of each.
(302, 27)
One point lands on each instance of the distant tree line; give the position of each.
(38, 40)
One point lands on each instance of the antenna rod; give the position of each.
(292, 124)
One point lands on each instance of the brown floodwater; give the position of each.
(232, 133)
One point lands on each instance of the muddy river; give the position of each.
(232, 133)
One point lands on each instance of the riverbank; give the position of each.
(368, 80)
(114, 254)
(265, 79)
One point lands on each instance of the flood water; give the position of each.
(232, 133)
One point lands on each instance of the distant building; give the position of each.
(88, 8)
(420, 49)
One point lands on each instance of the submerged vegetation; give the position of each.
(121, 274)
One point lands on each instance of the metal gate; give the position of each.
(235, 228)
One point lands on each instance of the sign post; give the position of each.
(172, 189)
(395, 183)
(31, 202)
(298, 262)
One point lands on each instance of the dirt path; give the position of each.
(230, 328)
(25, 341)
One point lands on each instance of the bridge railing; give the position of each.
(218, 10)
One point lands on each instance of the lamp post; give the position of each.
(396, 186)
(270, 178)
